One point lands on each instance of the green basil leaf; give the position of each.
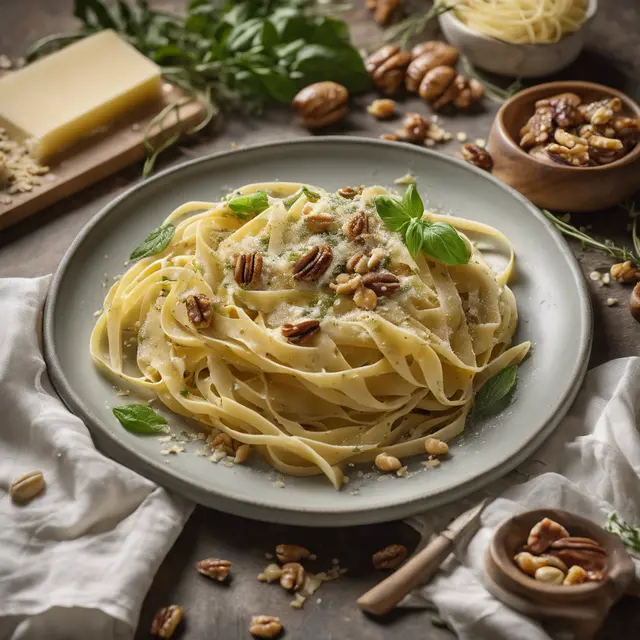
(442, 242)
(291, 25)
(156, 242)
(412, 202)
(330, 32)
(268, 36)
(495, 389)
(413, 236)
(279, 86)
(138, 418)
(252, 203)
(392, 212)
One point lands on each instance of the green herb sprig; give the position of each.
(249, 205)
(495, 389)
(156, 242)
(412, 27)
(629, 534)
(138, 418)
(231, 55)
(440, 240)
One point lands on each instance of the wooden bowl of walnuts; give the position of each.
(568, 146)
(550, 563)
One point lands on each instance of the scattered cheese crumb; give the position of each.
(402, 472)
(595, 275)
(20, 170)
(278, 484)
(218, 455)
(172, 450)
(312, 556)
(480, 142)
(234, 145)
(345, 479)
(135, 126)
(429, 143)
(612, 302)
(5, 62)
(122, 392)
(298, 603)
(407, 178)
(319, 601)
(606, 278)
(432, 464)
(268, 556)
(461, 136)
(434, 118)
(97, 313)
(165, 438)
(167, 88)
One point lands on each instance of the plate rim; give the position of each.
(109, 444)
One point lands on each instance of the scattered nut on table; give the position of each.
(387, 67)
(214, 568)
(292, 576)
(265, 627)
(443, 86)
(384, 11)
(389, 557)
(634, 302)
(625, 272)
(27, 487)
(476, 156)
(166, 621)
(427, 56)
(291, 553)
(321, 104)
(382, 108)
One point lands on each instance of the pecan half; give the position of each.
(584, 552)
(436, 83)
(248, 268)
(432, 46)
(389, 557)
(387, 67)
(477, 156)
(321, 104)
(301, 332)
(383, 284)
(291, 553)
(313, 264)
(350, 192)
(166, 621)
(292, 577)
(265, 626)
(214, 568)
(384, 10)
(427, 56)
(199, 310)
(543, 533)
(356, 225)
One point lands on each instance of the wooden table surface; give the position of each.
(36, 246)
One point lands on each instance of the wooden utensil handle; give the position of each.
(418, 570)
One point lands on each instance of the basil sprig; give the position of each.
(495, 389)
(156, 242)
(138, 418)
(440, 240)
(249, 205)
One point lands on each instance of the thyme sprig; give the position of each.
(413, 26)
(608, 247)
(629, 534)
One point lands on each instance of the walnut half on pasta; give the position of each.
(364, 381)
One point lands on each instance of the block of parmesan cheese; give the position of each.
(63, 97)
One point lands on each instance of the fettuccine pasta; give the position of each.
(235, 326)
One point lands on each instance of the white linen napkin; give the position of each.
(590, 466)
(79, 559)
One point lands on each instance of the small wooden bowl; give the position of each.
(551, 185)
(582, 606)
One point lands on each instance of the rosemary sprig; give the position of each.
(619, 253)
(492, 91)
(629, 534)
(414, 25)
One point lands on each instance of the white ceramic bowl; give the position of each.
(516, 60)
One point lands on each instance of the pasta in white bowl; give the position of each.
(299, 322)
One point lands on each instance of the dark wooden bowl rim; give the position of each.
(563, 86)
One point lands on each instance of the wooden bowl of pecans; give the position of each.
(568, 146)
(550, 563)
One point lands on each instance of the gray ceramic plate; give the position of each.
(552, 298)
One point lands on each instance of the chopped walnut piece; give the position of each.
(292, 577)
(302, 332)
(365, 298)
(415, 128)
(214, 568)
(387, 463)
(166, 621)
(389, 557)
(578, 156)
(625, 272)
(199, 310)
(543, 534)
(356, 225)
(568, 139)
(538, 129)
(291, 553)
(265, 627)
(382, 109)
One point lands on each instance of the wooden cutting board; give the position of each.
(119, 145)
